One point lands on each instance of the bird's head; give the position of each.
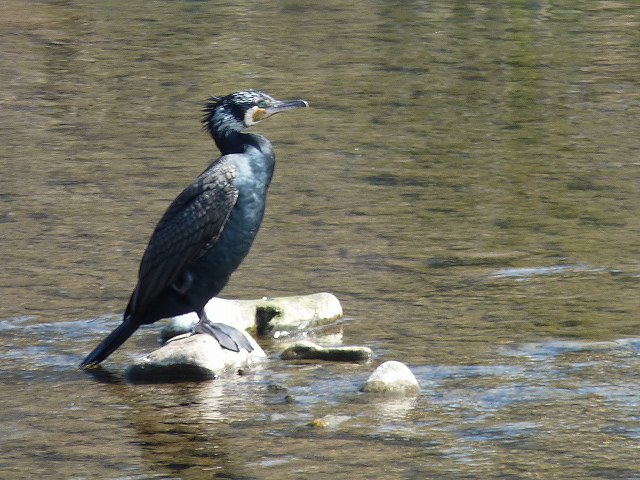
(241, 110)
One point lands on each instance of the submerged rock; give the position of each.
(267, 316)
(191, 357)
(329, 421)
(392, 378)
(305, 350)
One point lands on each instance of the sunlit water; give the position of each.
(466, 183)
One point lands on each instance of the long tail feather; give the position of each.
(110, 344)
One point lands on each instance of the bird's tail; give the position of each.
(109, 344)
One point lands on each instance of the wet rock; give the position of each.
(191, 357)
(305, 350)
(392, 378)
(329, 421)
(267, 316)
(217, 309)
(296, 313)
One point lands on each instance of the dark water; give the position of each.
(467, 183)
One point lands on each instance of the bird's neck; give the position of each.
(232, 141)
(255, 150)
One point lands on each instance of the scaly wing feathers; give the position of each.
(187, 230)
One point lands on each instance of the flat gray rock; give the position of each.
(305, 350)
(392, 378)
(191, 357)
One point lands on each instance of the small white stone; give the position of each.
(392, 378)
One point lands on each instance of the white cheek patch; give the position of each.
(248, 116)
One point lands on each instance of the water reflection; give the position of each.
(466, 183)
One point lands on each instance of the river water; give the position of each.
(466, 182)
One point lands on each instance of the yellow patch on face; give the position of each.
(259, 114)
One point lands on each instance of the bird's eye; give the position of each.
(261, 104)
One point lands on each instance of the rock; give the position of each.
(191, 357)
(329, 421)
(228, 311)
(305, 350)
(392, 378)
(274, 316)
(296, 313)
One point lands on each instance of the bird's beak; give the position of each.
(284, 105)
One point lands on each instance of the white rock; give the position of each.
(296, 313)
(392, 378)
(217, 310)
(191, 357)
(278, 316)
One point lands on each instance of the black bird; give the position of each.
(208, 229)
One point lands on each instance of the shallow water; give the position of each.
(466, 183)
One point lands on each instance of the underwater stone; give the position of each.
(305, 350)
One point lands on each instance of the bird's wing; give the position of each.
(190, 226)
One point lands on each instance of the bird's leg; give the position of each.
(204, 325)
(202, 315)
(227, 336)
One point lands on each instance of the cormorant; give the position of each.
(208, 229)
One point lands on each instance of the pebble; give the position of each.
(392, 378)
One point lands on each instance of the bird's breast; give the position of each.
(243, 223)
